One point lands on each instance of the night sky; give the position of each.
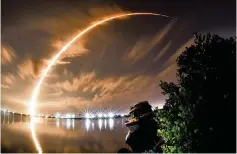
(113, 66)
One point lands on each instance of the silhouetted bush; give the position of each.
(200, 112)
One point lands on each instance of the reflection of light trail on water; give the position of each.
(37, 144)
(55, 58)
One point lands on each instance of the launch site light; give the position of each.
(92, 116)
(100, 115)
(87, 115)
(57, 115)
(105, 115)
(111, 115)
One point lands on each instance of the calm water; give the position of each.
(62, 135)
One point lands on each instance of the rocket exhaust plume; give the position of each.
(55, 58)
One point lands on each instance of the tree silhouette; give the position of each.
(200, 111)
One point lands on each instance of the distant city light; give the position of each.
(57, 115)
(68, 115)
(105, 115)
(92, 116)
(121, 115)
(100, 115)
(73, 116)
(87, 115)
(111, 115)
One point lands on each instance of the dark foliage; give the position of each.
(200, 111)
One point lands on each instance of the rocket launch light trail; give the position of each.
(55, 58)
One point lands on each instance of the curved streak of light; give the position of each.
(55, 58)
(33, 134)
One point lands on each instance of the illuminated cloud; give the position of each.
(5, 86)
(8, 54)
(164, 72)
(8, 79)
(77, 49)
(145, 45)
(181, 49)
(78, 82)
(28, 69)
(163, 51)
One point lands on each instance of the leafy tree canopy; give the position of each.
(200, 110)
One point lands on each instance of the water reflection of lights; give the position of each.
(105, 123)
(122, 123)
(93, 125)
(100, 124)
(88, 124)
(8, 117)
(68, 123)
(4, 118)
(111, 124)
(37, 120)
(58, 123)
(73, 124)
(21, 117)
(13, 118)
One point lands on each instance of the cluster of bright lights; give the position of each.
(100, 115)
(89, 115)
(58, 115)
(111, 115)
(67, 115)
(105, 115)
